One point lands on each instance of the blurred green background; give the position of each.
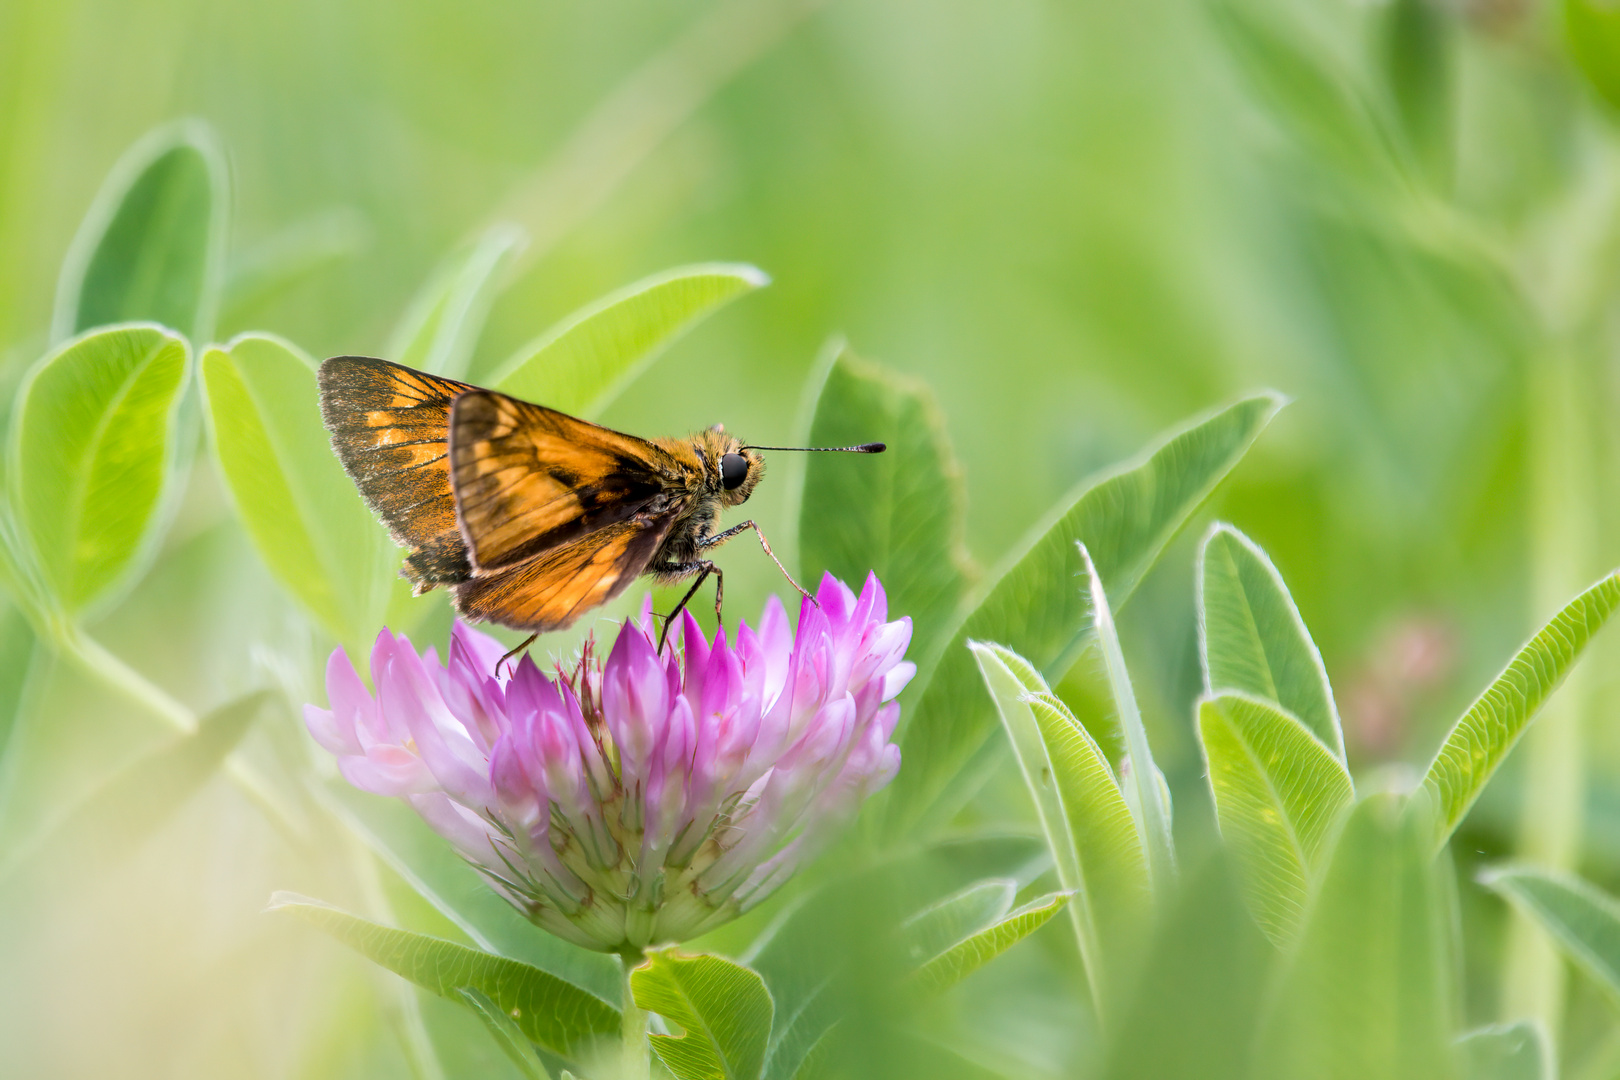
(1076, 222)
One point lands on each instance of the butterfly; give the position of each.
(529, 516)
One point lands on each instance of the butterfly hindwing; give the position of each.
(528, 479)
(550, 591)
(390, 426)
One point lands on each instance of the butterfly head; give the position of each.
(732, 468)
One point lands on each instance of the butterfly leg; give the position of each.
(524, 644)
(702, 568)
(721, 537)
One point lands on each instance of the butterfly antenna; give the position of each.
(864, 448)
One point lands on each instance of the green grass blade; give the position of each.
(151, 247)
(1370, 992)
(1584, 920)
(581, 364)
(1253, 638)
(558, 1015)
(976, 950)
(723, 1008)
(1031, 605)
(1278, 793)
(1485, 734)
(900, 513)
(93, 444)
(442, 324)
(1516, 1051)
(300, 509)
(508, 1036)
(1152, 802)
(1089, 828)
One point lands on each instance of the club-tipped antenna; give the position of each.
(864, 448)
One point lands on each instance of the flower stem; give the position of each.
(636, 1063)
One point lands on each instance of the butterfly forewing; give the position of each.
(528, 480)
(389, 426)
(550, 591)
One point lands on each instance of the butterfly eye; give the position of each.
(733, 471)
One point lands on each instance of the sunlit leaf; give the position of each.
(1583, 920)
(93, 443)
(152, 246)
(899, 513)
(558, 1015)
(974, 951)
(1506, 1052)
(1254, 640)
(1089, 828)
(1369, 992)
(1485, 734)
(1032, 604)
(1277, 795)
(723, 1008)
(442, 325)
(506, 1033)
(304, 516)
(582, 364)
(940, 925)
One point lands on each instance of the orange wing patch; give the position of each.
(390, 428)
(552, 590)
(528, 480)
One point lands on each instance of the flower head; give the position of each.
(648, 798)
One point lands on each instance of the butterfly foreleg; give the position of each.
(702, 568)
(721, 537)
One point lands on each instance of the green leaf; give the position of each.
(93, 445)
(1089, 828)
(508, 1036)
(444, 320)
(1254, 640)
(152, 246)
(1278, 793)
(978, 949)
(582, 363)
(900, 513)
(937, 927)
(1584, 920)
(723, 1008)
(1506, 1052)
(1370, 990)
(136, 801)
(1031, 605)
(299, 508)
(1593, 31)
(1485, 734)
(558, 1015)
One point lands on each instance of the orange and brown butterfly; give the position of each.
(530, 516)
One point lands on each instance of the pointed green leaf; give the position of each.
(508, 1036)
(558, 1015)
(442, 325)
(723, 1008)
(152, 246)
(93, 444)
(937, 927)
(976, 950)
(581, 364)
(1370, 989)
(1254, 640)
(1278, 793)
(1089, 828)
(900, 513)
(1125, 519)
(1151, 805)
(1485, 734)
(1506, 1052)
(300, 509)
(1584, 920)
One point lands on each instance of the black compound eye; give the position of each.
(733, 471)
